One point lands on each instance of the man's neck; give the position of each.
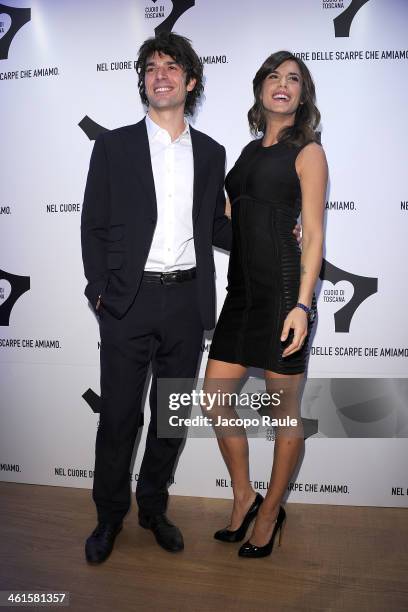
(170, 120)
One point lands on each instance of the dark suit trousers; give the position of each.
(163, 327)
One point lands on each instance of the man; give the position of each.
(153, 207)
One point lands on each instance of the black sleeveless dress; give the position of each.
(264, 265)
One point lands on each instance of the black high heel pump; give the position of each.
(251, 551)
(226, 535)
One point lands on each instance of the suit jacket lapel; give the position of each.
(200, 161)
(137, 147)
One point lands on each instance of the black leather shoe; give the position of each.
(251, 551)
(99, 545)
(168, 536)
(226, 535)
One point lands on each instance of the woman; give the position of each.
(267, 315)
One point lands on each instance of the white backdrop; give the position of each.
(63, 61)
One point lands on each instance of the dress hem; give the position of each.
(253, 365)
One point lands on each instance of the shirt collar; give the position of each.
(156, 132)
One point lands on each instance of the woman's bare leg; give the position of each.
(226, 377)
(289, 443)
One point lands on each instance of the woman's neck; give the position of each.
(274, 125)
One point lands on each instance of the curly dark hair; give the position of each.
(307, 116)
(180, 49)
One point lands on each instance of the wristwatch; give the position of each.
(309, 311)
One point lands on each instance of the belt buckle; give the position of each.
(168, 277)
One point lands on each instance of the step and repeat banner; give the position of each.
(67, 73)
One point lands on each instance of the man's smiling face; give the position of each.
(165, 82)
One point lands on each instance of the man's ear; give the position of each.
(191, 84)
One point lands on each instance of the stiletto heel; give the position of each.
(281, 530)
(251, 551)
(226, 535)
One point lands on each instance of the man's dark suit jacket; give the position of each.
(120, 213)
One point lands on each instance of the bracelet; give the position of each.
(303, 307)
(310, 313)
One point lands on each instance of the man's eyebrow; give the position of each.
(168, 63)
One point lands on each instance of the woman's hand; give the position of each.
(297, 230)
(227, 207)
(296, 320)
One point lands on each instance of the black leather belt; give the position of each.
(167, 278)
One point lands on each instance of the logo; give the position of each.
(94, 402)
(357, 407)
(11, 21)
(91, 128)
(12, 288)
(179, 7)
(310, 427)
(342, 22)
(364, 286)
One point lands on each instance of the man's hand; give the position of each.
(298, 233)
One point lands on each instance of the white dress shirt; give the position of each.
(172, 247)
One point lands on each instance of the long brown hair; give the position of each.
(307, 116)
